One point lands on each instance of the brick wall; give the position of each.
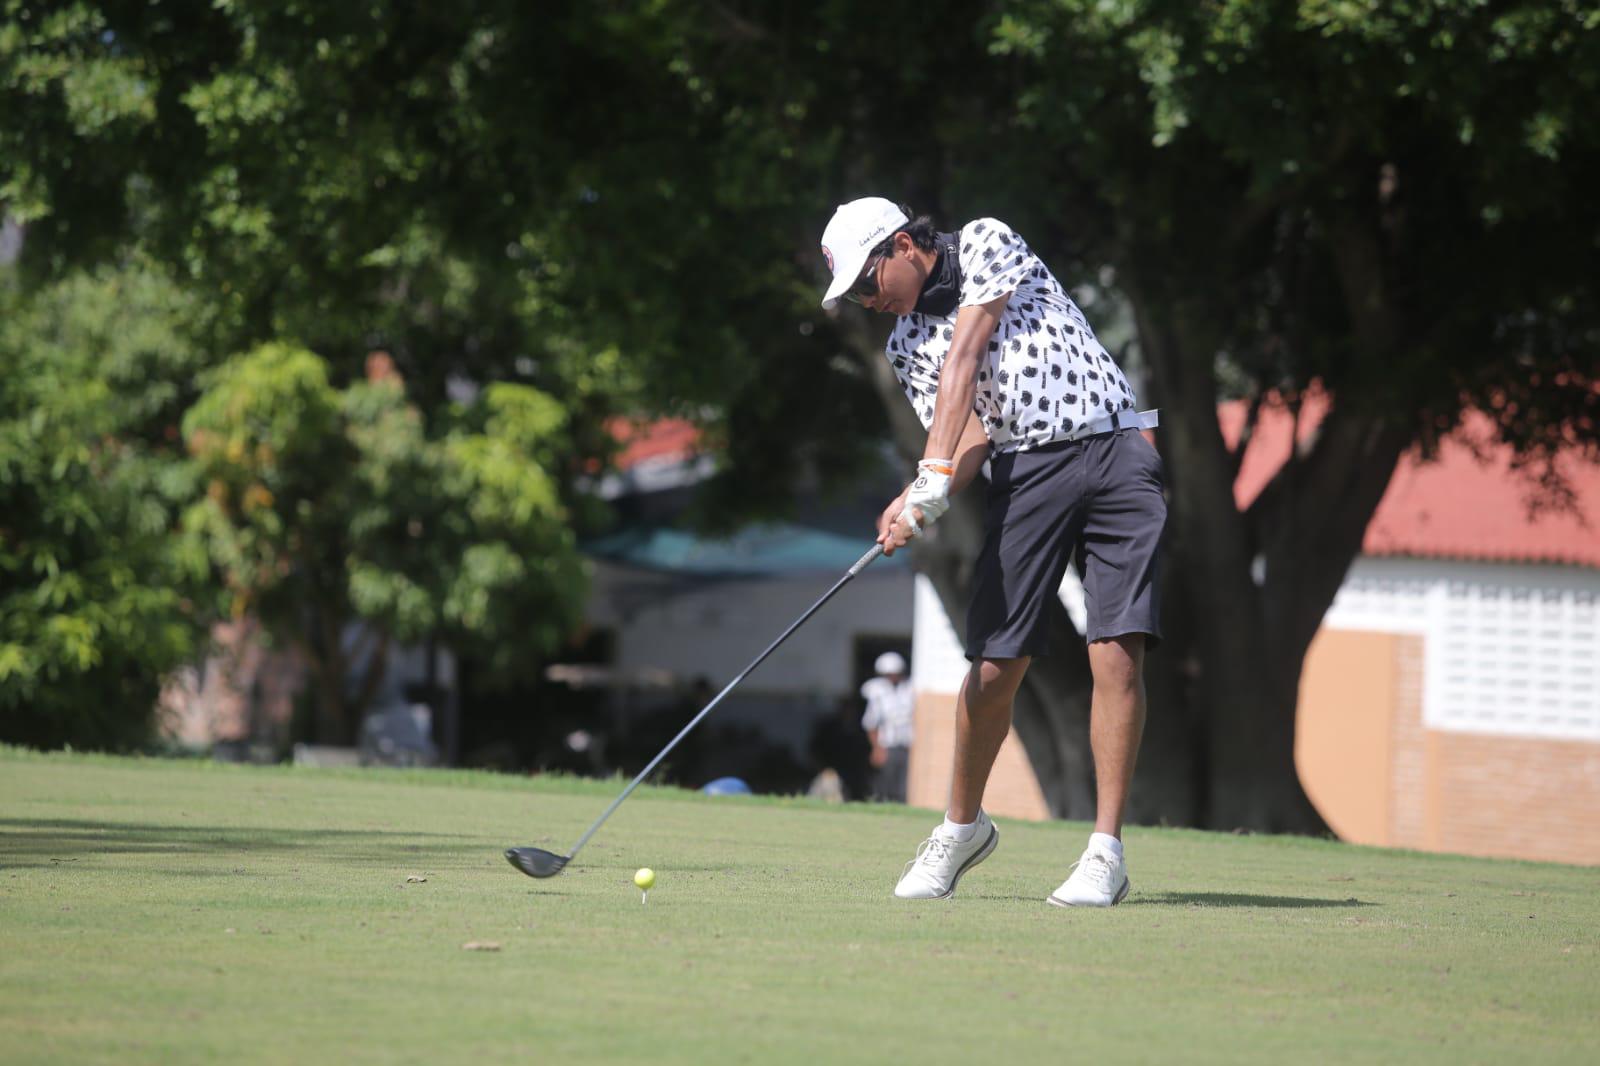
(1013, 791)
(1494, 795)
(1510, 796)
(1408, 787)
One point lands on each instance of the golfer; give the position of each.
(1000, 364)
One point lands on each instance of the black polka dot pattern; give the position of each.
(1027, 348)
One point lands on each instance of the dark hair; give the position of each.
(919, 229)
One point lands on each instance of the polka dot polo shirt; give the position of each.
(1045, 373)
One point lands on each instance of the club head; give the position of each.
(536, 862)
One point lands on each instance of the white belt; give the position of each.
(1124, 419)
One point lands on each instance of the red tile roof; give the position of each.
(664, 439)
(1459, 506)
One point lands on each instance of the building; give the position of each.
(1451, 701)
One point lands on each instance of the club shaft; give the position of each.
(860, 565)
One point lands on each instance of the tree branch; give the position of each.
(1318, 509)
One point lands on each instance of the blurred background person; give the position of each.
(889, 724)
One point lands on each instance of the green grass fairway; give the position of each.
(163, 912)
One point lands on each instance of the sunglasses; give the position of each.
(866, 286)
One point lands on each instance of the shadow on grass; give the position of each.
(36, 842)
(1235, 899)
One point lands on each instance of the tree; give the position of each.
(96, 600)
(430, 183)
(324, 507)
(336, 175)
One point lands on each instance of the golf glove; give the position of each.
(930, 493)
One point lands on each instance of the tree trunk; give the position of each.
(1254, 583)
(1170, 777)
(1231, 670)
(1250, 691)
(372, 674)
(325, 652)
(1051, 716)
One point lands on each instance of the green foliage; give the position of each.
(343, 505)
(1343, 190)
(94, 601)
(1391, 198)
(429, 183)
(266, 440)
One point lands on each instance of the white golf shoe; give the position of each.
(1098, 879)
(941, 860)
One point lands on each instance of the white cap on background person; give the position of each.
(890, 663)
(855, 229)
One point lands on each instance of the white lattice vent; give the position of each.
(1508, 649)
(1513, 657)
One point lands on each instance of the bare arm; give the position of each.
(879, 755)
(970, 453)
(958, 378)
(957, 433)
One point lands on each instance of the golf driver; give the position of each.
(537, 862)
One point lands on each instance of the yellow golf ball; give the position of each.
(645, 879)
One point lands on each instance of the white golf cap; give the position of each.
(890, 663)
(856, 228)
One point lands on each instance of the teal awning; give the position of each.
(765, 550)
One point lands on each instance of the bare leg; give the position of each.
(1116, 723)
(983, 718)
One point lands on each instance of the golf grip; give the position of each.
(860, 565)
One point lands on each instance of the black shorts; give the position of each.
(1103, 494)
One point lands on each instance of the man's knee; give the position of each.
(994, 682)
(1117, 662)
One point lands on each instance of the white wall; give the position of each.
(938, 661)
(715, 628)
(686, 628)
